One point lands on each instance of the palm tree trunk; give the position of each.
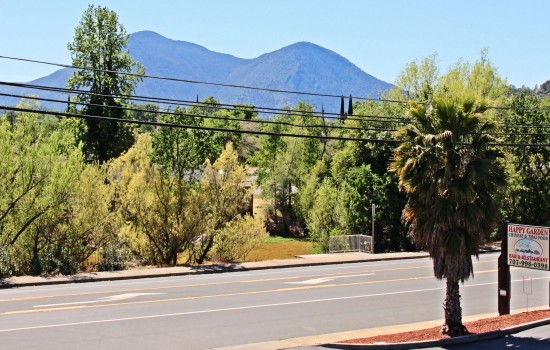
(453, 312)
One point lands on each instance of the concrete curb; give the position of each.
(440, 343)
(300, 261)
(189, 270)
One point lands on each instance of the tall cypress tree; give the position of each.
(342, 112)
(350, 106)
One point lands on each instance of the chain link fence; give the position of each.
(350, 243)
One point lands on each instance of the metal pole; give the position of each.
(372, 232)
(504, 278)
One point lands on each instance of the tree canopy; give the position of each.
(99, 48)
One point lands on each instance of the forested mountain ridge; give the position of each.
(301, 66)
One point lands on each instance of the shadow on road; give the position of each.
(217, 268)
(507, 342)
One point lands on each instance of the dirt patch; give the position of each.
(474, 327)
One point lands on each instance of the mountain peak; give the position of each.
(302, 66)
(304, 45)
(147, 33)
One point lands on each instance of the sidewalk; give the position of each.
(301, 260)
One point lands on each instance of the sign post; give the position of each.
(504, 279)
(372, 232)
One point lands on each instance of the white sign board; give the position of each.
(528, 246)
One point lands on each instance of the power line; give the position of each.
(253, 132)
(257, 121)
(201, 82)
(264, 110)
(195, 127)
(512, 108)
(535, 145)
(244, 86)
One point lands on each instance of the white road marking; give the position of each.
(241, 308)
(102, 300)
(213, 310)
(250, 273)
(191, 277)
(328, 279)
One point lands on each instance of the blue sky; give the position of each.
(380, 37)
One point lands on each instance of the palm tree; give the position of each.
(450, 173)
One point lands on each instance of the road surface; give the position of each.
(232, 309)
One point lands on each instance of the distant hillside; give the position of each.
(302, 67)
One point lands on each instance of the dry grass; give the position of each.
(279, 250)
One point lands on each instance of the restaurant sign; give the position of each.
(528, 246)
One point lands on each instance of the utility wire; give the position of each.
(265, 110)
(253, 132)
(201, 82)
(244, 86)
(257, 121)
(195, 127)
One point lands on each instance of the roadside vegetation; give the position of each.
(84, 193)
(446, 158)
(280, 248)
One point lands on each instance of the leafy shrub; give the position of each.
(62, 261)
(238, 238)
(113, 257)
(7, 262)
(53, 259)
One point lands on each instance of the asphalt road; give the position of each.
(232, 309)
(532, 339)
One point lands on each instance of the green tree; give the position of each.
(360, 169)
(306, 196)
(181, 150)
(544, 88)
(184, 150)
(421, 81)
(46, 204)
(222, 196)
(327, 217)
(149, 112)
(418, 79)
(99, 47)
(451, 175)
(283, 183)
(284, 164)
(248, 144)
(527, 200)
(219, 139)
(162, 215)
(364, 188)
(481, 79)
